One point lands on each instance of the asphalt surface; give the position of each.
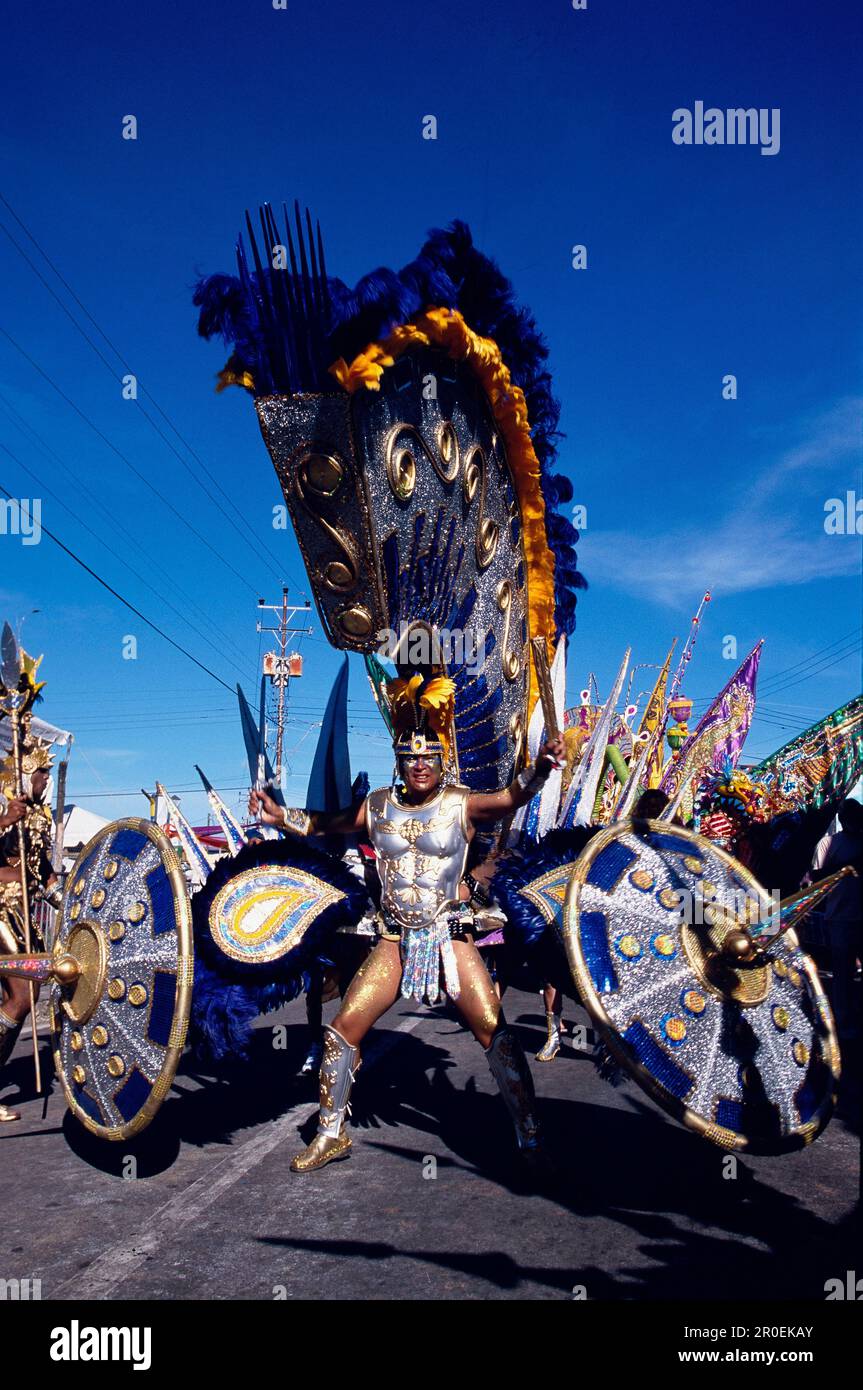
(432, 1203)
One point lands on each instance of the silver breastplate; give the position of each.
(421, 853)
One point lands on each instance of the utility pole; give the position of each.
(278, 665)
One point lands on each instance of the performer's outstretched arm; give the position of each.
(307, 822)
(483, 807)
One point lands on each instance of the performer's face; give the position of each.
(421, 772)
(38, 783)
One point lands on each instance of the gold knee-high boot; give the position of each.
(9, 1030)
(338, 1066)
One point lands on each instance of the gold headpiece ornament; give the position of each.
(27, 682)
(417, 703)
(35, 754)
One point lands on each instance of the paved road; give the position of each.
(641, 1209)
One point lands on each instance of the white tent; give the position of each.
(79, 826)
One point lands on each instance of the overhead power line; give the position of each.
(111, 590)
(132, 541)
(128, 462)
(253, 541)
(129, 567)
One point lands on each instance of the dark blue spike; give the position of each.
(464, 610)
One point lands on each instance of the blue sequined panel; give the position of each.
(671, 843)
(89, 1105)
(808, 1099)
(594, 945)
(162, 1008)
(656, 1060)
(482, 757)
(161, 900)
(610, 865)
(132, 1094)
(129, 843)
(729, 1114)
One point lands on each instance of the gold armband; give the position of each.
(297, 821)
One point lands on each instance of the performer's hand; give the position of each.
(551, 755)
(262, 805)
(15, 811)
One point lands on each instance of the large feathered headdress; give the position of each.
(422, 711)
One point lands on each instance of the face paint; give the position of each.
(429, 760)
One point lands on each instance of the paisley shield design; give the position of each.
(739, 1045)
(118, 1031)
(263, 913)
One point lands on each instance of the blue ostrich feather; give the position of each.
(529, 939)
(287, 327)
(526, 925)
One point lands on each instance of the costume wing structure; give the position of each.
(413, 431)
(538, 816)
(199, 861)
(260, 921)
(235, 835)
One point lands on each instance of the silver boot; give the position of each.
(338, 1066)
(551, 1047)
(508, 1066)
(9, 1030)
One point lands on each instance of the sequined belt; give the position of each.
(460, 925)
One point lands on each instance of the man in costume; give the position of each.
(35, 815)
(421, 830)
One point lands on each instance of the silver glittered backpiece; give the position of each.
(406, 512)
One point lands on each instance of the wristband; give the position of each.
(528, 778)
(299, 822)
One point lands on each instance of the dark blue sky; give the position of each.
(554, 128)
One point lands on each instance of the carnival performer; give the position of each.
(41, 881)
(420, 830)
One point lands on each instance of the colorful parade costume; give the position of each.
(29, 755)
(412, 428)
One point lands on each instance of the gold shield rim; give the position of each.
(182, 992)
(717, 1134)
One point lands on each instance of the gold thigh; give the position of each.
(372, 991)
(477, 1003)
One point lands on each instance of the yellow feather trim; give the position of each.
(437, 699)
(447, 329)
(227, 377)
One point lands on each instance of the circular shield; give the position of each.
(740, 1047)
(263, 913)
(118, 1030)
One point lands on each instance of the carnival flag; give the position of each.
(235, 835)
(822, 764)
(653, 720)
(199, 862)
(330, 777)
(578, 803)
(717, 739)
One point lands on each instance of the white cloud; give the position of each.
(773, 537)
